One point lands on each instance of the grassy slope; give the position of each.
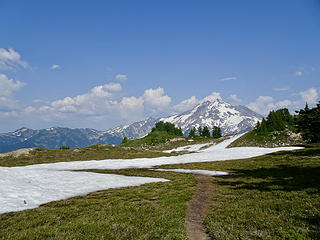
(276, 196)
(94, 152)
(163, 141)
(275, 139)
(133, 149)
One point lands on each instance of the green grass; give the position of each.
(135, 149)
(150, 211)
(276, 196)
(94, 152)
(163, 141)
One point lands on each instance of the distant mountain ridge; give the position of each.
(54, 138)
(214, 112)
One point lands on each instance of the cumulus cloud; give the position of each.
(298, 73)
(187, 104)
(264, 104)
(7, 89)
(10, 59)
(228, 79)
(106, 90)
(54, 66)
(310, 96)
(97, 101)
(212, 97)
(234, 98)
(131, 107)
(156, 99)
(121, 77)
(8, 86)
(283, 104)
(102, 104)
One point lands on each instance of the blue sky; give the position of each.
(101, 64)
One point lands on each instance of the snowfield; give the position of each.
(201, 172)
(30, 186)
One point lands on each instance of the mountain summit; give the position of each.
(215, 112)
(209, 112)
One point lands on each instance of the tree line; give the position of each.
(306, 122)
(205, 132)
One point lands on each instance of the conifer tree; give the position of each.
(205, 132)
(216, 132)
(200, 131)
(124, 140)
(192, 133)
(263, 130)
(308, 123)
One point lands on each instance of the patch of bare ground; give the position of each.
(198, 207)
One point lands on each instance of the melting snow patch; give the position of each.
(189, 148)
(23, 188)
(28, 187)
(202, 172)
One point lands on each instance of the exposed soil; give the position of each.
(198, 207)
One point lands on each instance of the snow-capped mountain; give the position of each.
(209, 112)
(134, 130)
(231, 119)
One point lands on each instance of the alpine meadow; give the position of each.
(144, 120)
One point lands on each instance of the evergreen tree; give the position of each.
(216, 132)
(124, 140)
(308, 123)
(276, 121)
(205, 132)
(192, 133)
(262, 130)
(167, 127)
(200, 131)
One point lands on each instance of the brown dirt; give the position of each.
(198, 207)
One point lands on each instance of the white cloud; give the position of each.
(155, 98)
(212, 97)
(97, 101)
(55, 66)
(106, 90)
(187, 104)
(281, 89)
(7, 88)
(121, 77)
(309, 96)
(234, 98)
(262, 105)
(131, 107)
(283, 104)
(11, 60)
(298, 73)
(102, 104)
(228, 79)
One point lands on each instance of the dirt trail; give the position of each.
(198, 207)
